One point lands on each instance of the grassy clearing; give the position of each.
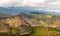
(42, 31)
(39, 31)
(3, 34)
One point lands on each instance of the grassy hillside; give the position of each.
(46, 20)
(50, 24)
(45, 24)
(42, 31)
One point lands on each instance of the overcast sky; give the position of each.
(44, 4)
(32, 3)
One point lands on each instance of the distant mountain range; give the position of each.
(17, 10)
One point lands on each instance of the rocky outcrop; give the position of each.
(15, 22)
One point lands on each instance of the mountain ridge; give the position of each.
(16, 10)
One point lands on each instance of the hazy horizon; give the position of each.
(43, 4)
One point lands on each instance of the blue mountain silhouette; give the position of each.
(17, 10)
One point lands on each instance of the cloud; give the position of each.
(32, 3)
(4, 2)
(43, 4)
(55, 5)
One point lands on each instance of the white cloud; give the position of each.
(21, 2)
(44, 4)
(53, 5)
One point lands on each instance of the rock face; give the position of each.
(17, 22)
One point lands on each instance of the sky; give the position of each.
(53, 5)
(32, 3)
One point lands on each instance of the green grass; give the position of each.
(39, 31)
(3, 34)
(13, 31)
